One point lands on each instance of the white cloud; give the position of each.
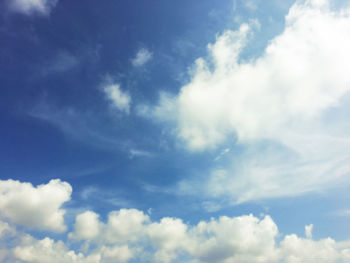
(143, 55)
(47, 250)
(125, 225)
(29, 7)
(139, 153)
(308, 231)
(168, 237)
(34, 207)
(297, 250)
(86, 226)
(251, 5)
(300, 75)
(222, 153)
(62, 62)
(239, 239)
(288, 108)
(115, 254)
(121, 100)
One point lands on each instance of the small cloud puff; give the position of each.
(142, 57)
(119, 99)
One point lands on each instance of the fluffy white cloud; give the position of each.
(20, 247)
(169, 238)
(297, 250)
(122, 226)
(86, 226)
(28, 7)
(115, 254)
(125, 225)
(121, 100)
(240, 239)
(142, 57)
(245, 239)
(47, 250)
(34, 207)
(288, 108)
(236, 239)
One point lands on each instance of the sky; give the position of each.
(174, 131)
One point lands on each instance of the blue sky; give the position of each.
(174, 131)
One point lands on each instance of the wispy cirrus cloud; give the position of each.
(29, 7)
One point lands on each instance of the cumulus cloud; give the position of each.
(143, 55)
(125, 225)
(119, 99)
(168, 237)
(47, 250)
(86, 226)
(122, 226)
(225, 239)
(297, 249)
(34, 207)
(287, 108)
(238, 239)
(28, 7)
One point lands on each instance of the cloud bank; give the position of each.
(130, 234)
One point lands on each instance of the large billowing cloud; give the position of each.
(288, 108)
(29, 7)
(302, 73)
(34, 207)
